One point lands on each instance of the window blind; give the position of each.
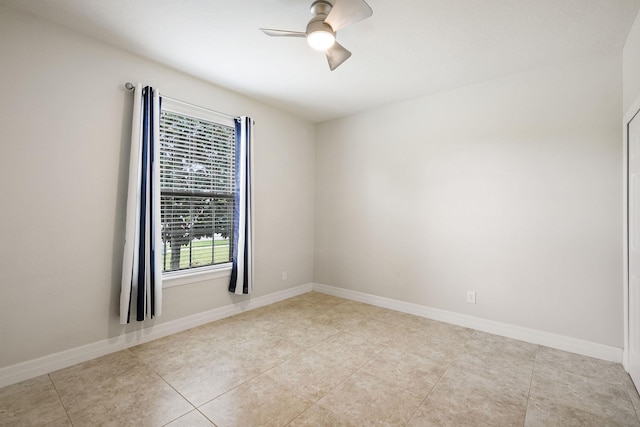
(197, 179)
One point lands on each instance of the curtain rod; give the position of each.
(130, 86)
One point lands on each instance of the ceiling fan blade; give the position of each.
(346, 12)
(282, 33)
(336, 55)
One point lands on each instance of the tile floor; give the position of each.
(317, 360)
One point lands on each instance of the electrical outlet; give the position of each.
(471, 297)
(284, 275)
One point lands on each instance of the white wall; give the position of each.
(64, 129)
(631, 65)
(510, 188)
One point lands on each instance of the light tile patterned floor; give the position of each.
(317, 360)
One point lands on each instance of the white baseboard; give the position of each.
(560, 342)
(46, 364)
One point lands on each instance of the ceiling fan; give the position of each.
(321, 29)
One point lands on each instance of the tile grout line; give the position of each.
(588, 410)
(533, 370)
(264, 373)
(166, 382)
(207, 418)
(356, 370)
(232, 388)
(428, 394)
(243, 382)
(634, 406)
(436, 384)
(53, 384)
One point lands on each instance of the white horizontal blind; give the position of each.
(197, 179)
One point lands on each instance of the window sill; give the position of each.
(169, 280)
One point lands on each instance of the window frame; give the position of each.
(209, 272)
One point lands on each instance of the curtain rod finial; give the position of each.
(129, 86)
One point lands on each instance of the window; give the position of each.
(197, 180)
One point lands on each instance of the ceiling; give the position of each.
(408, 48)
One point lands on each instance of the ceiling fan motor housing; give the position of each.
(321, 7)
(319, 25)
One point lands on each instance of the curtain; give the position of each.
(242, 268)
(141, 290)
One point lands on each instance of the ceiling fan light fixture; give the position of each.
(321, 39)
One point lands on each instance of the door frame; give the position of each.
(628, 116)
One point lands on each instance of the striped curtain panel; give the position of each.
(141, 291)
(242, 270)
